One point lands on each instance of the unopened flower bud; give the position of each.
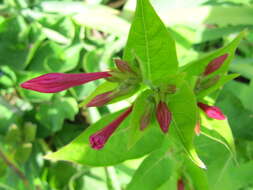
(163, 116)
(122, 66)
(207, 83)
(215, 64)
(56, 82)
(101, 99)
(99, 139)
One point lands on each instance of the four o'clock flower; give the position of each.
(212, 111)
(215, 64)
(56, 82)
(99, 139)
(163, 116)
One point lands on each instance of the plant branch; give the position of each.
(19, 173)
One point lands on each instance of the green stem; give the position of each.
(11, 165)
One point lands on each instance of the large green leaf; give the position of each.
(151, 42)
(222, 172)
(244, 66)
(243, 92)
(149, 176)
(219, 131)
(115, 150)
(184, 118)
(240, 118)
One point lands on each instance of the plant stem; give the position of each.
(19, 173)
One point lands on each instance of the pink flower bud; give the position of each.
(215, 64)
(180, 184)
(163, 116)
(98, 139)
(56, 82)
(212, 111)
(101, 99)
(122, 66)
(197, 128)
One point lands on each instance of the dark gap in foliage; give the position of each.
(241, 78)
(209, 45)
(79, 119)
(240, 53)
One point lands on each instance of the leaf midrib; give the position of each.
(146, 40)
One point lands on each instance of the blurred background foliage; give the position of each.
(41, 36)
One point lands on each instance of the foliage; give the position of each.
(171, 43)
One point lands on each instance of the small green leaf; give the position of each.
(151, 42)
(140, 104)
(149, 176)
(52, 115)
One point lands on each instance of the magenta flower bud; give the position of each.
(101, 99)
(98, 139)
(180, 184)
(212, 111)
(197, 128)
(122, 65)
(56, 82)
(163, 116)
(215, 64)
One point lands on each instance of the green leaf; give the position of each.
(240, 118)
(151, 42)
(197, 175)
(52, 115)
(115, 150)
(184, 118)
(13, 49)
(244, 66)
(222, 172)
(220, 131)
(135, 132)
(98, 17)
(149, 176)
(245, 95)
